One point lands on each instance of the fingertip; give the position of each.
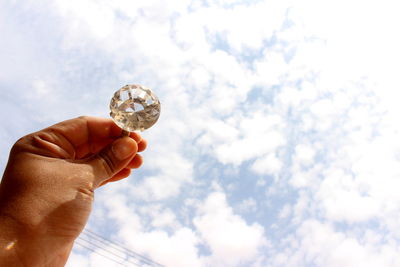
(141, 142)
(136, 162)
(125, 172)
(136, 136)
(142, 145)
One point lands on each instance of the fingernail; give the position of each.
(123, 148)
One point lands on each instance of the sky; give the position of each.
(278, 141)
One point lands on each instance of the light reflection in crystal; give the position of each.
(135, 107)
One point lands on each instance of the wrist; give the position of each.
(20, 246)
(8, 243)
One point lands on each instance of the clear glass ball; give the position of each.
(135, 107)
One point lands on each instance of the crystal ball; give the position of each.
(135, 107)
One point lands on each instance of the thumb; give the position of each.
(113, 158)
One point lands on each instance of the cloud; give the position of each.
(344, 202)
(268, 164)
(216, 224)
(170, 179)
(248, 205)
(319, 244)
(77, 260)
(249, 90)
(177, 249)
(259, 134)
(304, 154)
(246, 26)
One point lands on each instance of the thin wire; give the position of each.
(108, 244)
(103, 248)
(105, 245)
(95, 251)
(105, 252)
(121, 248)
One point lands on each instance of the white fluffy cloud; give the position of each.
(174, 172)
(231, 240)
(319, 244)
(268, 164)
(249, 90)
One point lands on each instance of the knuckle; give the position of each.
(107, 163)
(23, 143)
(88, 193)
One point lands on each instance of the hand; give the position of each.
(48, 186)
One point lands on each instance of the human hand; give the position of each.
(48, 186)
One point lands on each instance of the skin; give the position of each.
(47, 190)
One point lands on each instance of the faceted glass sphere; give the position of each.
(135, 107)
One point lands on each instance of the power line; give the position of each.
(105, 251)
(101, 250)
(97, 252)
(111, 250)
(121, 248)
